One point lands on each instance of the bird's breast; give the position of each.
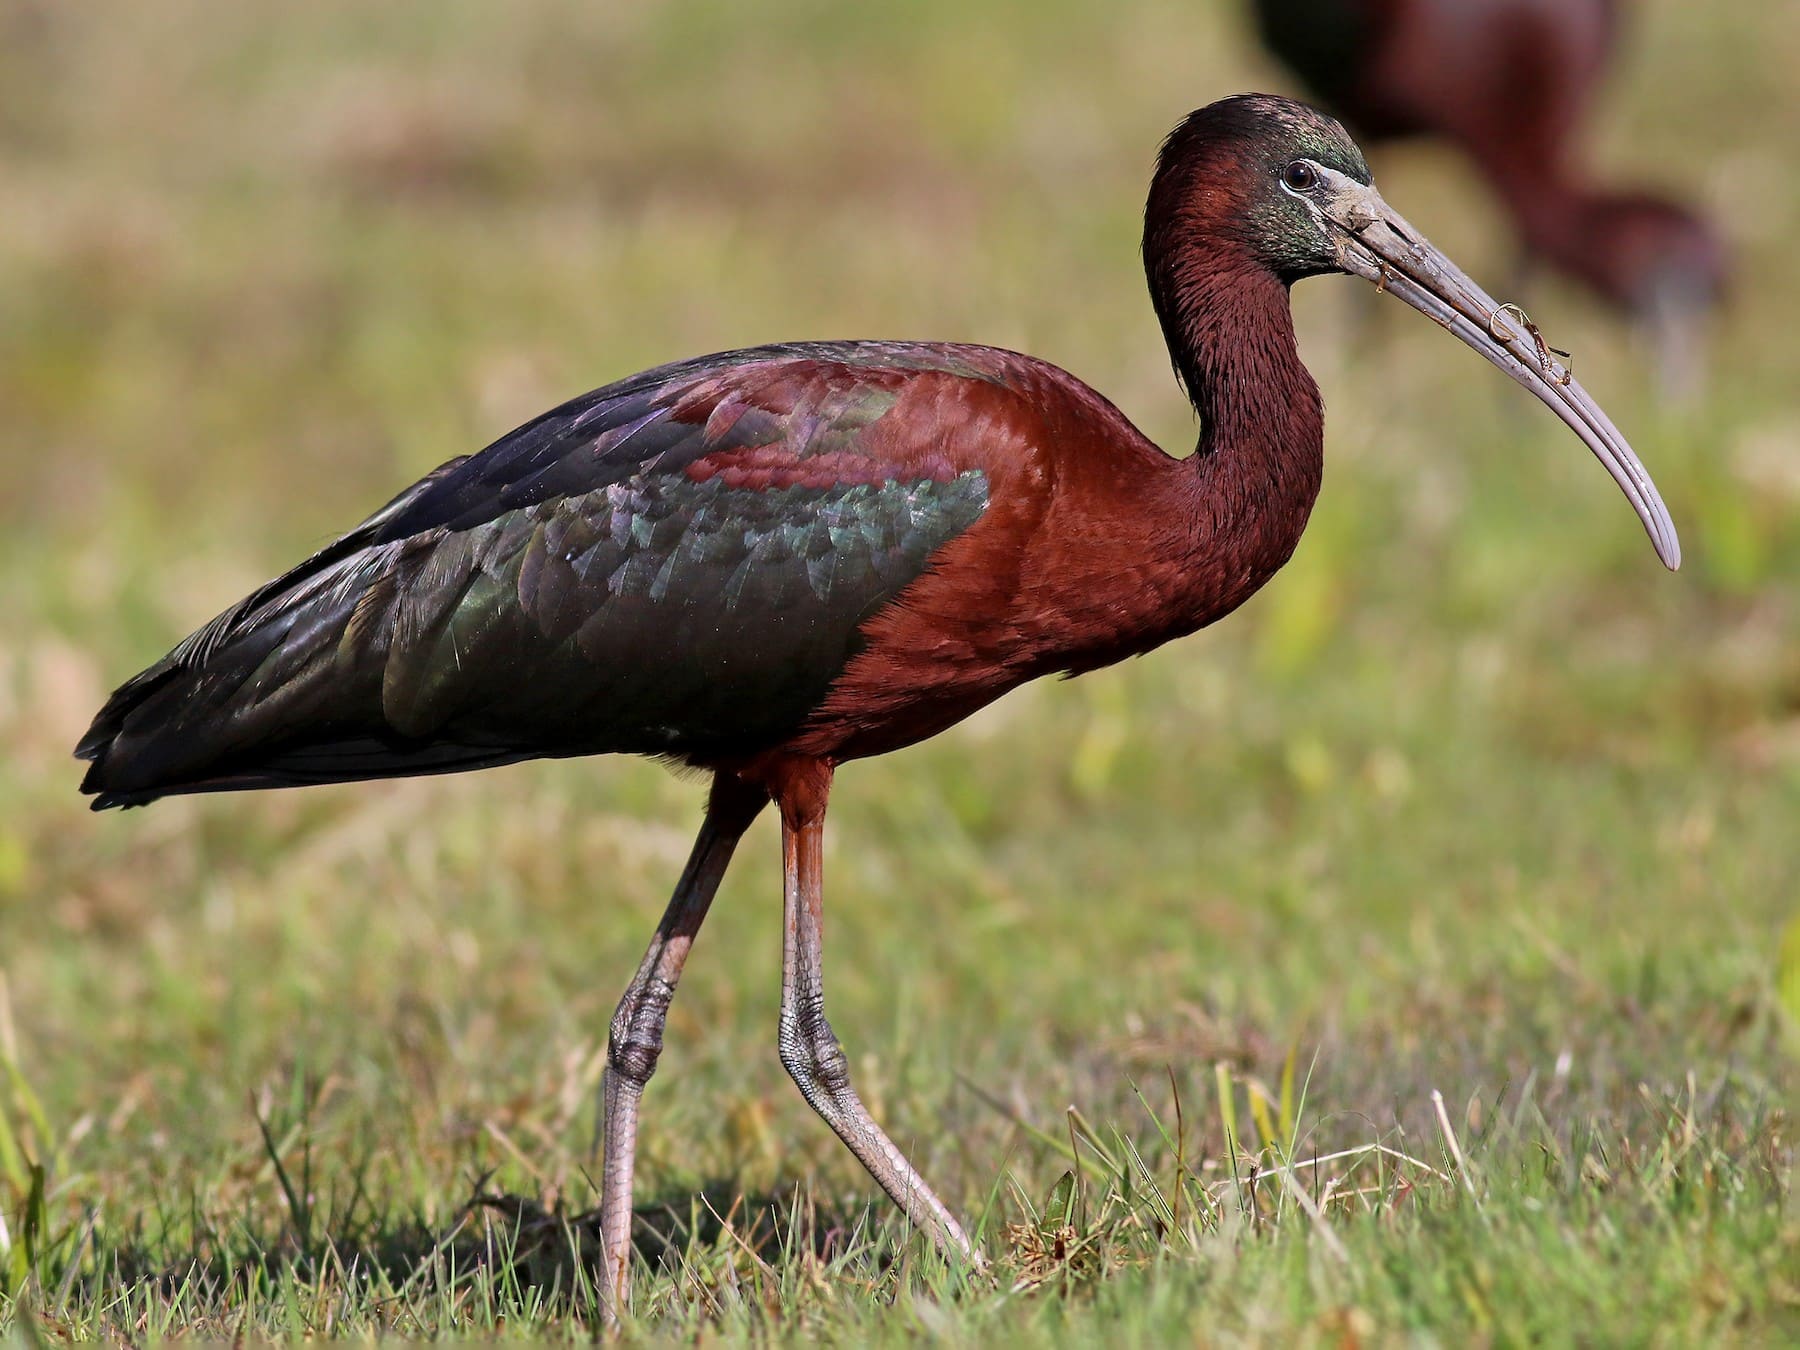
(1044, 583)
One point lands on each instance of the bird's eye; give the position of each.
(1300, 176)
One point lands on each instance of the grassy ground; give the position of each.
(1399, 962)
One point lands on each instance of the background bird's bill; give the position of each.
(1375, 242)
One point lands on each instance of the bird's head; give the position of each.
(1259, 186)
(1233, 179)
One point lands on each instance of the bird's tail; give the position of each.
(229, 712)
(282, 690)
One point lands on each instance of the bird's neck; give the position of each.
(1260, 457)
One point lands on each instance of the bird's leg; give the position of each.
(809, 1049)
(635, 1041)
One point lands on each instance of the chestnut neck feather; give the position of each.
(1256, 471)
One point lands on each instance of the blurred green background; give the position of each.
(1473, 797)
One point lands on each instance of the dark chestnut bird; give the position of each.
(767, 562)
(1510, 83)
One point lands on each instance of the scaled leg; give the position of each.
(810, 1050)
(637, 1027)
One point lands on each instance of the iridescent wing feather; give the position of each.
(679, 564)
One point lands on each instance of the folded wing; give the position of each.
(678, 564)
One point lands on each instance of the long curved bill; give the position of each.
(1376, 243)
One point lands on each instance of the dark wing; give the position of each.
(678, 564)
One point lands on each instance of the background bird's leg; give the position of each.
(637, 1027)
(809, 1049)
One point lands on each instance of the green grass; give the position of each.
(1156, 973)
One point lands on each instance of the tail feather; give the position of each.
(172, 731)
(344, 761)
(269, 694)
(284, 689)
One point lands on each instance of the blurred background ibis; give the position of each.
(768, 562)
(1512, 84)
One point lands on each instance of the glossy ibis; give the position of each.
(767, 562)
(1509, 82)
